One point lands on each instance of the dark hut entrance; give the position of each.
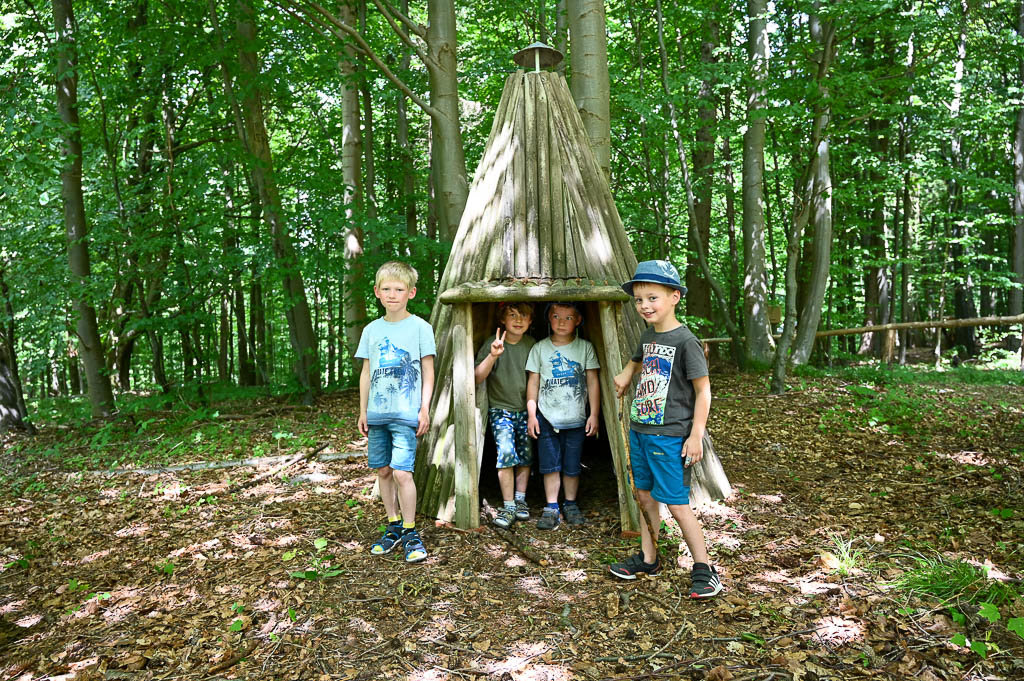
(540, 225)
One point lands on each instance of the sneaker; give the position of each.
(506, 516)
(573, 514)
(522, 510)
(705, 581)
(548, 519)
(635, 565)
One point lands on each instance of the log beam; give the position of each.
(467, 467)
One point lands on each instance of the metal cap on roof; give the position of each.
(537, 55)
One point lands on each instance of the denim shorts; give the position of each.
(510, 437)
(391, 445)
(657, 462)
(559, 451)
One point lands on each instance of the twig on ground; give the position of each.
(233, 660)
(518, 544)
(274, 471)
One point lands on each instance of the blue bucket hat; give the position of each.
(655, 272)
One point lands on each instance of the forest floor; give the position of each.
(876, 530)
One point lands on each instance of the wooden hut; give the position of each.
(540, 225)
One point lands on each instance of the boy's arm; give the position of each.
(693, 448)
(427, 372)
(484, 368)
(364, 396)
(594, 397)
(625, 377)
(532, 388)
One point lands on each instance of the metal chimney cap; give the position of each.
(548, 56)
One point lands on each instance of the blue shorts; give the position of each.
(657, 462)
(510, 437)
(391, 445)
(559, 451)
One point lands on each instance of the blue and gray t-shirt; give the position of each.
(396, 383)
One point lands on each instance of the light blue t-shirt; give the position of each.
(396, 383)
(562, 396)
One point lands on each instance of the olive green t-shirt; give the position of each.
(506, 384)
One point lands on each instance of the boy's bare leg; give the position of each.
(571, 484)
(649, 544)
(406, 495)
(506, 480)
(386, 483)
(522, 478)
(693, 533)
(552, 483)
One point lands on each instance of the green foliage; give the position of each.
(320, 562)
(954, 581)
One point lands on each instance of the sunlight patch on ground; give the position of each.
(534, 586)
(133, 530)
(196, 550)
(13, 606)
(838, 630)
(94, 556)
(286, 540)
(574, 576)
(29, 621)
(515, 561)
(768, 498)
(719, 538)
(968, 458)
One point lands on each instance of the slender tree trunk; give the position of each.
(698, 295)
(589, 83)
(1017, 254)
(13, 411)
(405, 152)
(451, 188)
(820, 196)
(224, 340)
(101, 397)
(760, 345)
(561, 31)
(300, 325)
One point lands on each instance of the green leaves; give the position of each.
(989, 611)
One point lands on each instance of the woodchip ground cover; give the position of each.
(876, 531)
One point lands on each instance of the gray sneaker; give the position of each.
(522, 510)
(506, 516)
(573, 514)
(548, 519)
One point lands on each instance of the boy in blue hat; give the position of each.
(668, 417)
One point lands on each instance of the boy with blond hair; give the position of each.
(668, 417)
(395, 386)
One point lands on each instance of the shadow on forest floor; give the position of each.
(865, 520)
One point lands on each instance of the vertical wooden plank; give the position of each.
(531, 187)
(611, 365)
(519, 163)
(558, 216)
(543, 137)
(467, 468)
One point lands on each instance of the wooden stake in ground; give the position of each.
(629, 471)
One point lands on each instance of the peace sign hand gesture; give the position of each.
(498, 344)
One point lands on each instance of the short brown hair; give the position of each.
(525, 309)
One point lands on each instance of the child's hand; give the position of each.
(363, 428)
(591, 427)
(693, 451)
(621, 381)
(424, 423)
(498, 344)
(533, 427)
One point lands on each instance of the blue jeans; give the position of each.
(559, 451)
(391, 445)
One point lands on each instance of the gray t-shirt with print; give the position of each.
(395, 351)
(506, 384)
(665, 398)
(562, 397)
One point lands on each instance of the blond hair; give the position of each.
(397, 271)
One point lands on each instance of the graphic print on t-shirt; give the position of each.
(566, 384)
(396, 374)
(652, 388)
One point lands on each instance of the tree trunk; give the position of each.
(101, 397)
(1017, 255)
(300, 325)
(12, 396)
(354, 303)
(819, 197)
(698, 295)
(760, 344)
(405, 152)
(451, 188)
(224, 340)
(589, 84)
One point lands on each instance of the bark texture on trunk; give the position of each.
(760, 345)
(451, 188)
(698, 295)
(101, 397)
(588, 56)
(1017, 255)
(300, 324)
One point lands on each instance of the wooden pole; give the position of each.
(941, 324)
(467, 468)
